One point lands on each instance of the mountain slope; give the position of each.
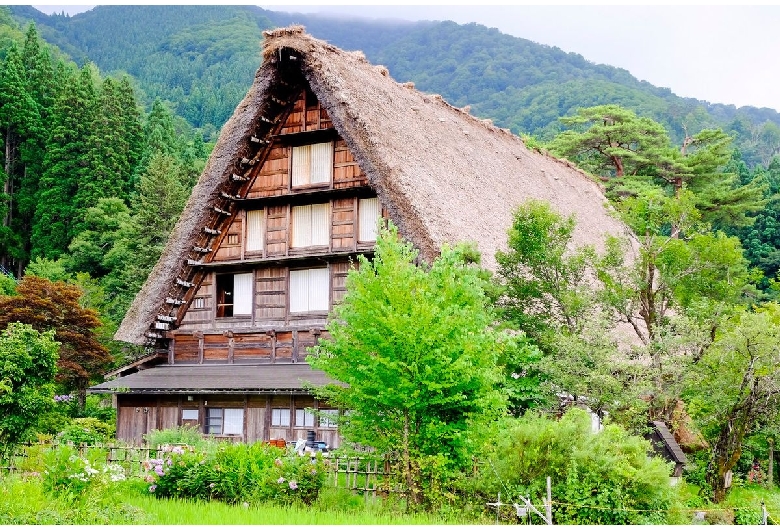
(202, 58)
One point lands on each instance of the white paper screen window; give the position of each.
(280, 417)
(368, 216)
(254, 230)
(310, 225)
(309, 290)
(312, 164)
(189, 414)
(242, 294)
(304, 418)
(233, 421)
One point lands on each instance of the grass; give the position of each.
(181, 512)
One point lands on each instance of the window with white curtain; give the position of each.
(242, 300)
(224, 421)
(280, 417)
(312, 164)
(304, 418)
(254, 230)
(369, 212)
(234, 294)
(309, 290)
(310, 225)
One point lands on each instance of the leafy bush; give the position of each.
(604, 478)
(183, 435)
(89, 431)
(235, 473)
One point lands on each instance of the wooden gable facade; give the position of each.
(276, 262)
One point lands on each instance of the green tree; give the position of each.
(543, 282)
(46, 306)
(66, 166)
(416, 354)
(610, 140)
(613, 142)
(734, 386)
(28, 360)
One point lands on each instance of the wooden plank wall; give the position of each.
(139, 415)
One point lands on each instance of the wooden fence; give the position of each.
(369, 475)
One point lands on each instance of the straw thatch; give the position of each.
(444, 176)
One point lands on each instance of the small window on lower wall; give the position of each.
(280, 417)
(304, 418)
(224, 421)
(189, 415)
(329, 418)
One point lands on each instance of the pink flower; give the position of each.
(280, 480)
(278, 462)
(152, 488)
(293, 485)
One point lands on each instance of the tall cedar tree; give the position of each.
(66, 166)
(415, 349)
(19, 119)
(47, 305)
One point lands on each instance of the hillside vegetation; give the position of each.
(202, 59)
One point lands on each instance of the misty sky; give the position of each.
(721, 54)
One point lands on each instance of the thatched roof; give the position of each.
(443, 175)
(215, 378)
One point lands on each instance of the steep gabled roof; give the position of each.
(443, 175)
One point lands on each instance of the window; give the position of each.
(304, 418)
(234, 294)
(224, 421)
(368, 215)
(309, 290)
(189, 415)
(329, 418)
(310, 225)
(254, 230)
(312, 164)
(280, 417)
(198, 303)
(232, 239)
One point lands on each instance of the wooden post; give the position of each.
(549, 501)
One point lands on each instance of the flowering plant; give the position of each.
(67, 472)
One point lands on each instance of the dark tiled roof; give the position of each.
(217, 378)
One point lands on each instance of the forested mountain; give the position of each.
(202, 58)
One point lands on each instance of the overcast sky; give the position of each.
(721, 54)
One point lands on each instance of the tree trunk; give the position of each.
(771, 470)
(618, 163)
(411, 486)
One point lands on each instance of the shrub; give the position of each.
(603, 478)
(235, 473)
(89, 431)
(183, 435)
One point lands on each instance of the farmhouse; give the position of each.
(323, 146)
